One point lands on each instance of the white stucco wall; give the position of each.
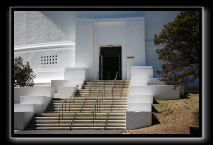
(158, 91)
(64, 88)
(136, 120)
(30, 91)
(60, 55)
(41, 101)
(140, 99)
(154, 22)
(84, 47)
(34, 108)
(75, 74)
(21, 119)
(91, 34)
(32, 27)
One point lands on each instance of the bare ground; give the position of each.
(175, 116)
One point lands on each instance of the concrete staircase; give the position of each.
(83, 112)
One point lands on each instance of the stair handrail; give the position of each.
(97, 103)
(113, 83)
(112, 100)
(121, 92)
(60, 110)
(71, 123)
(99, 98)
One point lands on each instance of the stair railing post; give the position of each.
(61, 108)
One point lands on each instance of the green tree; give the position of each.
(23, 74)
(180, 53)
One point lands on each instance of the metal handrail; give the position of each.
(121, 92)
(97, 103)
(91, 89)
(113, 83)
(71, 123)
(100, 95)
(61, 110)
(112, 100)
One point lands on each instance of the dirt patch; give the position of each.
(175, 116)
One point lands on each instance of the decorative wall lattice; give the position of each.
(51, 59)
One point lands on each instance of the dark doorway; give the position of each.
(110, 63)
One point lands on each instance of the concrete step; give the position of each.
(114, 118)
(85, 114)
(87, 106)
(89, 111)
(77, 121)
(115, 90)
(95, 95)
(81, 118)
(108, 87)
(87, 94)
(79, 128)
(93, 101)
(75, 124)
(92, 97)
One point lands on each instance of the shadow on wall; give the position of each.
(64, 20)
(155, 120)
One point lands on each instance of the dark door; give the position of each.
(110, 63)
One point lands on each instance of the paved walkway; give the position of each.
(69, 132)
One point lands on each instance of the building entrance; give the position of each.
(110, 63)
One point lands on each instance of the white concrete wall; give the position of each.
(24, 108)
(31, 27)
(140, 107)
(31, 91)
(60, 55)
(35, 108)
(135, 120)
(41, 101)
(21, 119)
(158, 91)
(85, 47)
(91, 34)
(64, 88)
(135, 42)
(75, 74)
(142, 72)
(140, 75)
(62, 83)
(65, 92)
(140, 99)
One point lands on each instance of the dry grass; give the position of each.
(175, 116)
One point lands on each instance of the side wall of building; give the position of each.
(49, 63)
(154, 22)
(33, 27)
(45, 40)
